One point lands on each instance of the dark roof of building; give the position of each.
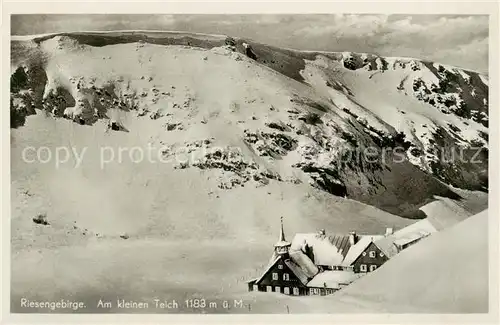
(341, 242)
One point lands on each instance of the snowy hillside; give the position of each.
(294, 117)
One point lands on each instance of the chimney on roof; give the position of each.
(389, 231)
(353, 238)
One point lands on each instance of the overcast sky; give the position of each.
(455, 40)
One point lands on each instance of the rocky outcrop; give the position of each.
(236, 169)
(462, 93)
(26, 91)
(270, 144)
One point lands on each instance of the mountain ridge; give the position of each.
(35, 37)
(328, 115)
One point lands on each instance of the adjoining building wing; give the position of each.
(356, 250)
(393, 244)
(422, 225)
(411, 238)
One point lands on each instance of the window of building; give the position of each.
(275, 276)
(381, 254)
(364, 254)
(372, 254)
(362, 267)
(286, 276)
(286, 290)
(280, 267)
(296, 291)
(373, 268)
(277, 289)
(269, 289)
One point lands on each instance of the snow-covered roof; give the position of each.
(333, 249)
(305, 263)
(337, 250)
(301, 265)
(359, 248)
(411, 237)
(387, 246)
(419, 226)
(297, 270)
(282, 243)
(332, 279)
(273, 259)
(326, 249)
(405, 235)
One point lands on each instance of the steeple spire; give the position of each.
(282, 232)
(282, 246)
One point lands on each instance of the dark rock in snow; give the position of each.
(41, 219)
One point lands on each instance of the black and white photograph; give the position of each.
(326, 163)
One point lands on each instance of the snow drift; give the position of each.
(445, 273)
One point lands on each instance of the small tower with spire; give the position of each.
(282, 247)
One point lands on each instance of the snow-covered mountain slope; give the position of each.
(435, 106)
(445, 273)
(287, 117)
